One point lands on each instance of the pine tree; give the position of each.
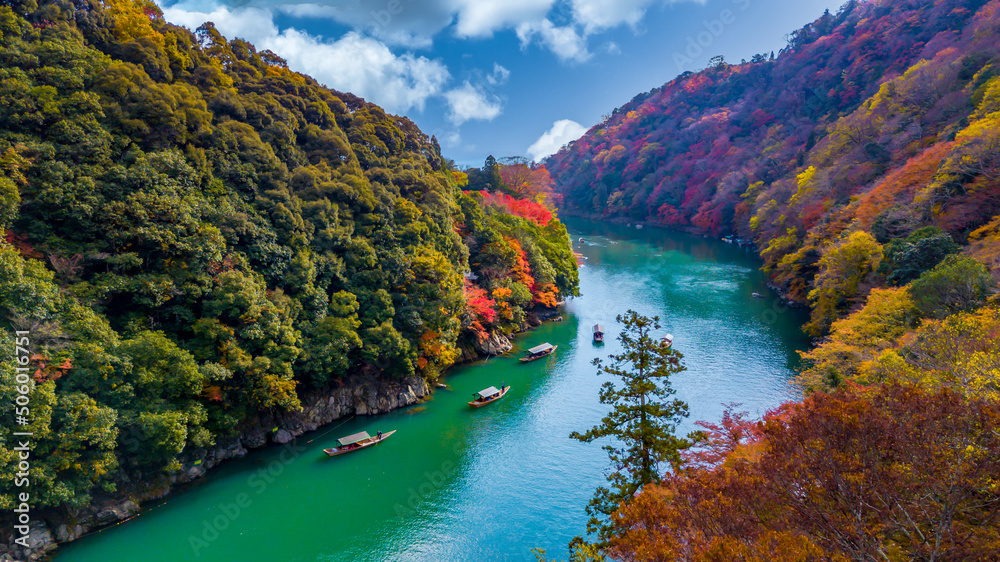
(492, 172)
(643, 418)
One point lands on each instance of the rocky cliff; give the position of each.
(355, 397)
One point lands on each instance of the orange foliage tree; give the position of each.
(895, 473)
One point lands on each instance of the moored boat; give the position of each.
(667, 341)
(487, 395)
(598, 333)
(357, 442)
(539, 351)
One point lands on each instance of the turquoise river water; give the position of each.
(490, 484)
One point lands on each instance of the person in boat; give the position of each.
(502, 386)
(379, 437)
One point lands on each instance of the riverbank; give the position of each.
(354, 397)
(456, 483)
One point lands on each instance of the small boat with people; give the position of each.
(667, 340)
(357, 442)
(757, 295)
(539, 351)
(487, 395)
(598, 333)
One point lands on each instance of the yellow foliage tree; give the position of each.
(856, 342)
(845, 271)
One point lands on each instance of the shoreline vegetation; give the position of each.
(862, 161)
(201, 243)
(211, 252)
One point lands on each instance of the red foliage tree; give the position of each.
(895, 472)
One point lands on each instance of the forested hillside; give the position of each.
(881, 119)
(195, 234)
(864, 163)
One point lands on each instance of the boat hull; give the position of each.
(476, 404)
(370, 442)
(536, 358)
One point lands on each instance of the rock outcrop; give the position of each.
(495, 344)
(354, 397)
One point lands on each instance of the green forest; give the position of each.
(194, 234)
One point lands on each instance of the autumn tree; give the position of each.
(643, 417)
(889, 473)
(524, 179)
(845, 273)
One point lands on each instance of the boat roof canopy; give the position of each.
(598, 329)
(354, 438)
(486, 393)
(669, 337)
(540, 348)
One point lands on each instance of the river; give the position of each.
(490, 484)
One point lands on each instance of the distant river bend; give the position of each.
(490, 484)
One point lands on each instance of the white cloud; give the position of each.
(469, 102)
(499, 76)
(561, 133)
(413, 24)
(595, 15)
(564, 41)
(354, 63)
(406, 24)
(479, 18)
(451, 139)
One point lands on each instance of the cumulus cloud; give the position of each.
(595, 15)
(561, 133)
(563, 41)
(353, 63)
(394, 22)
(477, 18)
(414, 23)
(470, 102)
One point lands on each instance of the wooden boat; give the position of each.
(357, 442)
(487, 395)
(539, 351)
(667, 341)
(598, 333)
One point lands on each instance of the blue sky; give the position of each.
(506, 77)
